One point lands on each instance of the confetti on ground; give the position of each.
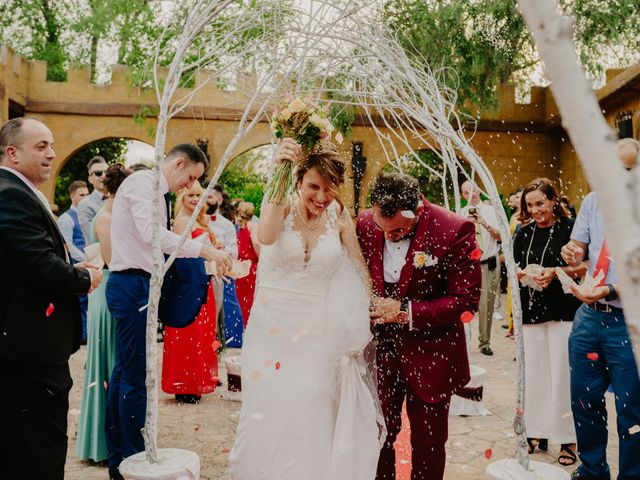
(592, 356)
(466, 317)
(196, 428)
(277, 365)
(567, 415)
(635, 429)
(476, 254)
(520, 412)
(91, 385)
(487, 453)
(106, 385)
(268, 363)
(225, 450)
(216, 345)
(49, 310)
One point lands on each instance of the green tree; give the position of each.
(112, 149)
(479, 44)
(430, 182)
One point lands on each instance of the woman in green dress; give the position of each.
(101, 331)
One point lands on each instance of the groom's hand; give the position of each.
(384, 310)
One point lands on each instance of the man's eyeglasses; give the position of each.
(98, 173)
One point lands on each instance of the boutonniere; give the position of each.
(424, 259)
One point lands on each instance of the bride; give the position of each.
(308, 411)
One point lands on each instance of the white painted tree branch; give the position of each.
(593, 141)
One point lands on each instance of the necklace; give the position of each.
(310, 225)
(544, 251)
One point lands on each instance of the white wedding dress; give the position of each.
(308, 412)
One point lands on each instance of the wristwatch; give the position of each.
(403, 315)
(613, 295)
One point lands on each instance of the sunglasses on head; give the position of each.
(98, 173)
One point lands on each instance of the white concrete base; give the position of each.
(510, 469)
(467, 406)
(173, 464)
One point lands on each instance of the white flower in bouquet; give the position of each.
(297, 105)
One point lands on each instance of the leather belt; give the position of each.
(604, 308)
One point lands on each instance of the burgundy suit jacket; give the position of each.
(434, 353)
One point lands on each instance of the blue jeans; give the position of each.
(605, 334)
(126, 294)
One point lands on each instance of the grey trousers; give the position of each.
(487, 303)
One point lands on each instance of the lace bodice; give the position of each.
(286, 266)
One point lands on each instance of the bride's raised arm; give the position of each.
(273, 214)
(352, 246)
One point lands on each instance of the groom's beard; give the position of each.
(211, 209)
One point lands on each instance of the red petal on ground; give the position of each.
(592, 356)
(403, 448)
(476, 254)
(49, 310)
(487, 453)
(466, 317)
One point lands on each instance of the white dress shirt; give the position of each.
(394, 258)
(486, 242)
(131, 225)
(225, 230)
(66, 225)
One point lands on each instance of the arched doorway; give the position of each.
(113, 150)
(246, 175)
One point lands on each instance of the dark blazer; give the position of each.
(34, 274)
(434, 353)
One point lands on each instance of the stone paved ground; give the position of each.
(208, 428)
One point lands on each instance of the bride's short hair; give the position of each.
(330, 165)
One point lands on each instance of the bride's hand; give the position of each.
(288, 150)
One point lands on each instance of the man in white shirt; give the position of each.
(487, 237)
(89, 206)
(128, 289)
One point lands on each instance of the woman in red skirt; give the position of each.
(248, 249)
(190, 358)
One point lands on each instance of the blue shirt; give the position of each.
(589, 228)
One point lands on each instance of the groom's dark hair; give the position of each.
(395, 191)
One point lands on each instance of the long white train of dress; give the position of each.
(307, 412)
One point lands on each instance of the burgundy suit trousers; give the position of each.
(429, 421)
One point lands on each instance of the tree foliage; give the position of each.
(112, 149)
(479, 44)
(71, 31)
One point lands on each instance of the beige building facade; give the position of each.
(518, 142)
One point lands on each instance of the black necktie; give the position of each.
(167, 202)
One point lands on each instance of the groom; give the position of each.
(424, 279)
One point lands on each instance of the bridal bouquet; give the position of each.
(305, 122)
